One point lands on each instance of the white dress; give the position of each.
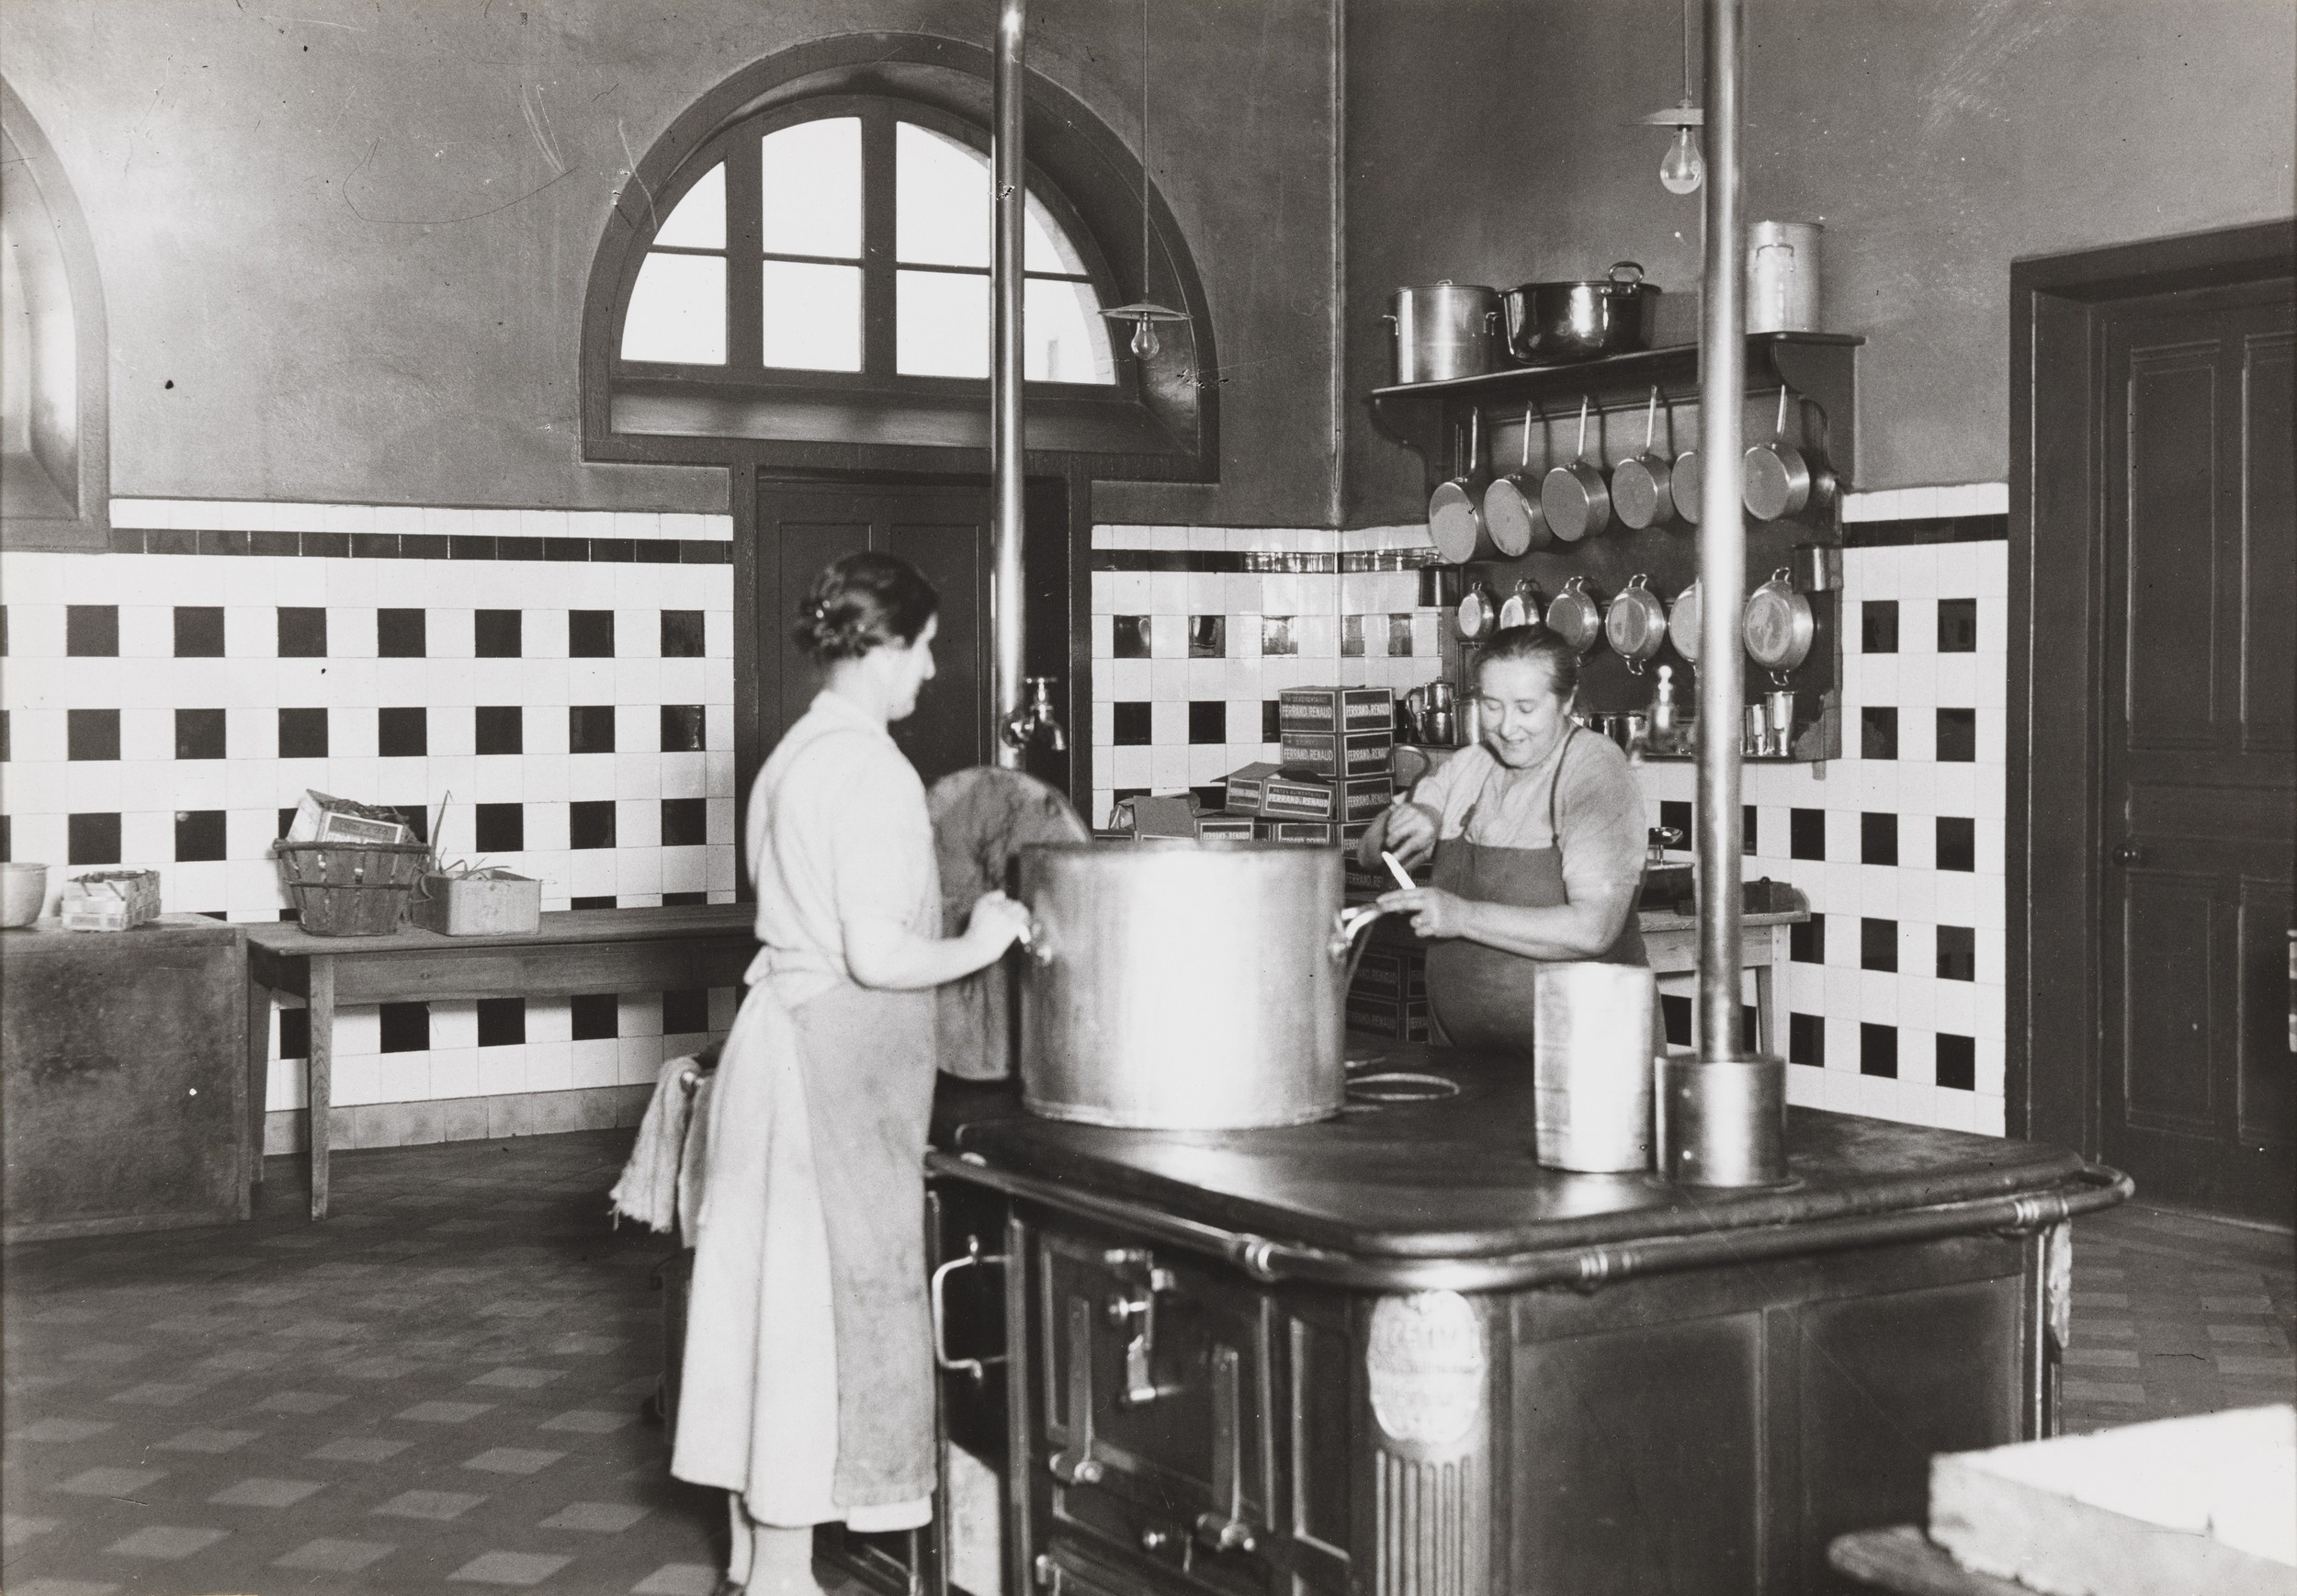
(837, 831)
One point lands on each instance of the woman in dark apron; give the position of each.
(1537, 835)
(809, 1365)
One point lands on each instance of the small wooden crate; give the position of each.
(487, 904)
(350, 888)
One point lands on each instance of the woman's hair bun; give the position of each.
(860, 602)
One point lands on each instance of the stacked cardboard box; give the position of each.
(1334, 776)
(1389, 997)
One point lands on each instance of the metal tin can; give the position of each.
(1783, 277)
(1592, 1066)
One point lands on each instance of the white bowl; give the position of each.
(23, 888)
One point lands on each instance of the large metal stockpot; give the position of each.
(1445, 330)
(1196, 987)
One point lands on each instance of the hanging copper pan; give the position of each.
(1511, 513)
(1455, 523)
(1775, 479)
(1575, 496)
(1635, 625)
(1574, 617)
(1642, 490)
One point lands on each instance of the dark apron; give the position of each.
(1481, 997)
(867, 1060)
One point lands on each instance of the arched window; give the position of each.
(851, 236)
(795, 277)
(55, 469)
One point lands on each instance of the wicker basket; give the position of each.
(350, 888)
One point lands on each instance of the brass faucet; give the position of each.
(1036, 718)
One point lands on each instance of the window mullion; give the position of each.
(878, 230)
(745, 255)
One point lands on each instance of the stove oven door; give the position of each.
(1156, 1452)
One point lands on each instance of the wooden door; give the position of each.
(2199, 732)
(945, 532)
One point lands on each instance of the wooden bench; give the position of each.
(573, 952)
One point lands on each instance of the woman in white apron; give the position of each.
(808, 1362)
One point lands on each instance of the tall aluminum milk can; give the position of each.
(1783, 277)
(1591, 1067)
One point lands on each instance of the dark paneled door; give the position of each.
(945, 532)
(2198, 709)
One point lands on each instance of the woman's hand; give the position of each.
(1436, 915)
(1410, 832)
(996, 924)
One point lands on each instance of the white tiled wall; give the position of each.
(1318, 603)
(1918, 897)
(149, 788)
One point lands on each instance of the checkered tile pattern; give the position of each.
(1895, 998)
(1187, 664)
(441, 1388)
(2176, 1315)
(167, 709)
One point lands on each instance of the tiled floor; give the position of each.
(440, 1388)
(2174, 1314)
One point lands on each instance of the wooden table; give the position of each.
(1672, 942)
(573, 952)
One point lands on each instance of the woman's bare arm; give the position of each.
(887, 955)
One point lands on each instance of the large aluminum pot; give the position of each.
(1190, 987)
(1445, 330)
(1549, 322)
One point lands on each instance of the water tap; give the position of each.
(1036, 718)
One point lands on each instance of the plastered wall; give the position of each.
(1937, 139)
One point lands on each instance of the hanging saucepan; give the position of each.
(1778, 625)
(1477, 608)
(1635, 625)
(1574, 617)
(1642, 492)
(1575, 497)
(1454, 522)
(1511, 513)
(1683, 621)
(1684, 482)
(1521, 607)
(1775, 479)
(1549, 322)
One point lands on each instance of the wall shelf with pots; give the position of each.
(1818, 373)
(1819, 370)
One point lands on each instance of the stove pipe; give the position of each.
(1722, 1114)
(1021, 707)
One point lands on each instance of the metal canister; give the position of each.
(1445, 330)
(1783, 277)
(1592, 1066)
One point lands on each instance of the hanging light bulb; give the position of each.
(1684, 167)
(1145, 312)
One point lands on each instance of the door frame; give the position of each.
(1055, 617)
(2054, 832)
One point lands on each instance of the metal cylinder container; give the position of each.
(1723, 1122)
(1592, 1066)
(1445, 330)
(1197, 987)
(1783, 277)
